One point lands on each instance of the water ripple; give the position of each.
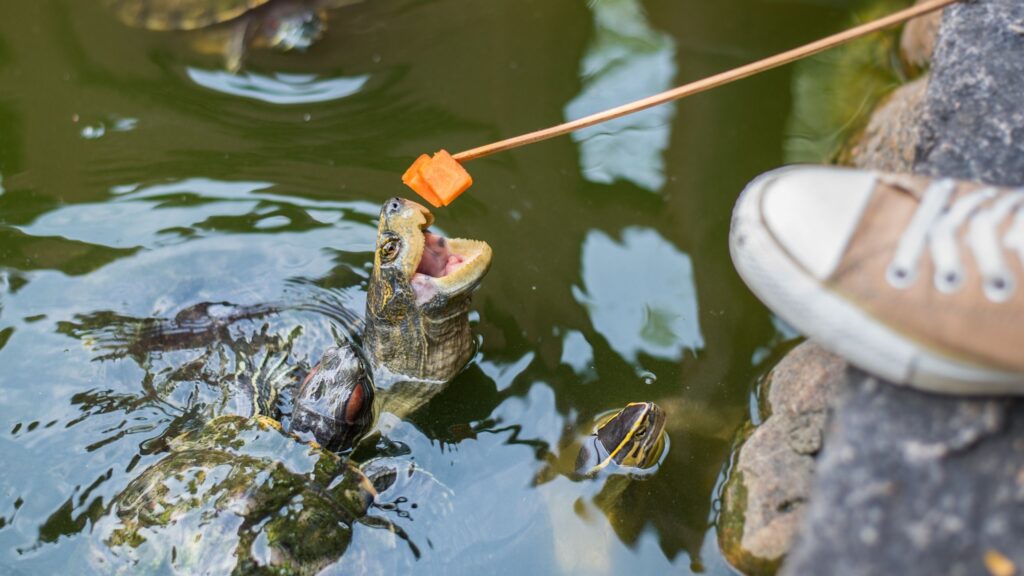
(279, 88)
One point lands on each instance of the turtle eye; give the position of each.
(389, 250)
(641, 433)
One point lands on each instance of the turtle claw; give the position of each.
(234, 52)
(266, 422)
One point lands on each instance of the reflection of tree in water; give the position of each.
(626, 60)
(640, 294)
(833, 92)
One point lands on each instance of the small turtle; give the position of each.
(623, 446)
(631, 439)
(281, 24)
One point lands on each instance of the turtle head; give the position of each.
(290, 25)
(418, 299)
(633, 437)
(335, 401)
(413, 260)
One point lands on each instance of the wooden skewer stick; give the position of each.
(709, 82)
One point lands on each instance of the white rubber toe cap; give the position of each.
(813, 211)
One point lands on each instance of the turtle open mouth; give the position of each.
(437, 259)
(449, 266)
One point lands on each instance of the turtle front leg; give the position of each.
(238, 43)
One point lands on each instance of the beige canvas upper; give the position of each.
(963, 324)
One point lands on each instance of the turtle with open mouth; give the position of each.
(237, 491)
(416, 334)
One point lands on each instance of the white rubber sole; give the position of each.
(837, 324)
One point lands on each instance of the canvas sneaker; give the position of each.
(917, 280)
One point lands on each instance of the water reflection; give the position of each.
(577, 353)
(504, 374)
(626, 60)
(100, 128)
(216, 197)
(640, 294)
(174, 212)
(279, 88)
(833, 91)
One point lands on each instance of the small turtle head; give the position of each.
(633, 437)
(297, 28)
(335, 401)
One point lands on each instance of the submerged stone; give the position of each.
(764, 498)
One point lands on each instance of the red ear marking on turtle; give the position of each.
(354, 405)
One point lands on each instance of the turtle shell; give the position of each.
(181, 14)
(236, 496)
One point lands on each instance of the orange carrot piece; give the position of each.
(425, 190)
(446, 177)
(414, 179)
(415, 168)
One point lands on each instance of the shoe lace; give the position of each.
(935, 225)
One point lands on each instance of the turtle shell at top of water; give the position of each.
(181, 14)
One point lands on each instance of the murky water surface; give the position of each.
(138, 179)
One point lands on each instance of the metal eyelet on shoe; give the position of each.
(999, 288)
(902, 270)
(949, 281)
(900, 277)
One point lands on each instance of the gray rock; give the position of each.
(764, 499)
(914, 483)
(890, 139)
(973, 124)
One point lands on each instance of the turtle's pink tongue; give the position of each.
(436, 261)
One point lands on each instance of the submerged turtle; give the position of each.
(238, 495)
(234, 25)
(237, 492)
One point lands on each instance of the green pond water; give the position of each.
(138, 178)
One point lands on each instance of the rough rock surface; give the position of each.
(767, 490)
(913, 483)
(973, 123)
(890, 139)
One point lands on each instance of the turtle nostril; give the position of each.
(394, 205)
